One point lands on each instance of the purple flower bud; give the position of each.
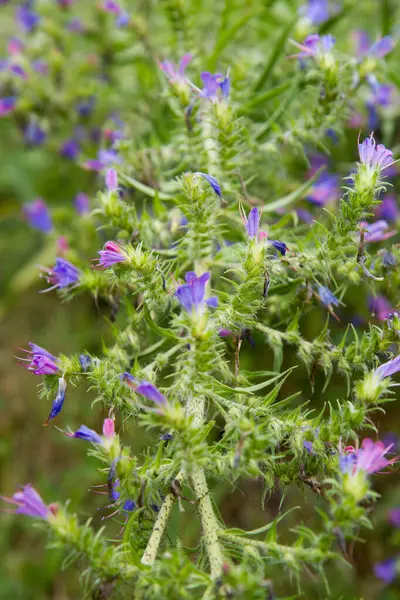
(280, 246)
(394, 517)
(38, 216)
(58, 401)
(253, 223)
(386, 570)
(29, 502)
(85, 106)
(111, 180)
(62, 275)
(82, 204)
(212, 181)
(111, 6)
(129, 506)
(15, 46)
(389, 368)
(373, 155)
(18, 71)
(84, 433)
(85, 361)
(123, 20)
(7, 105)
(381, 47)
(75, 25)
(110, 255)
(41, 361)
(109, 428)
(315, 46)
(225, 333)
(326, 296)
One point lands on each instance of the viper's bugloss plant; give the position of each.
(206, 144)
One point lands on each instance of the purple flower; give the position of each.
(380, 306)
(176, 74)
(317, 11)
(84, 433)
(370, 458)
(41, 361)
(382, 93)
(376, 232)
(75, 25)
(129, 506)
(84, 107)
(280, 246)
(58, 401)
(34, 134)
(191, 294)
(109, 428)
(212, 181)
(381, 47)
(304, 215)
(70, 149)
(38, 216)
(18, 71)
(308, 446)
(389, 209)
(123, 19)
(326, 296)
(82, 204)
(389, 368)
(149, 391)
(111, 180)
(62, 275)
(315, 46)
(324, 190)
(28, 502)
(386, 570)
(394, 517)
(215, 86)
(104, 159)
(111, 6)
(7, 105)
(373, 155)
(252, 223)
(110, 255)
(15, 46)
(26, 18)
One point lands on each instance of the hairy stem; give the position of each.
(209, 521)
(153, 544)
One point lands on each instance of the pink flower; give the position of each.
(108, 428)
(370, 458)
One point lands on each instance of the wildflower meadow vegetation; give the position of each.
(212, 186)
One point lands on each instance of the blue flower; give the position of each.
(191, 294)
(386, 570)
(317, 11)
(7, 105)
(280, 246)
(58, 401)
(82, 204)
(215, 86)
(253, 223)
(212, 181)
(87, 434)
(149, 391)
(70, 149)
(129, 506)
(34, 134)
(62, 275)
(326, 296)
(26, 18)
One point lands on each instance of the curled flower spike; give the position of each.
(62, 275)
(370, 458)
(176, 74)
(389, 368)
(38, 216)
(41, 361)
(373, 155)
(191, 295)
(212, 181)
(376, 232)
(28, 502)
(58, 401)
(111, 180)
(110, 255)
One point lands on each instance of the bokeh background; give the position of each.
(60, 467)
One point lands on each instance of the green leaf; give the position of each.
(156, 328)
(226, 36)
(278, 49)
